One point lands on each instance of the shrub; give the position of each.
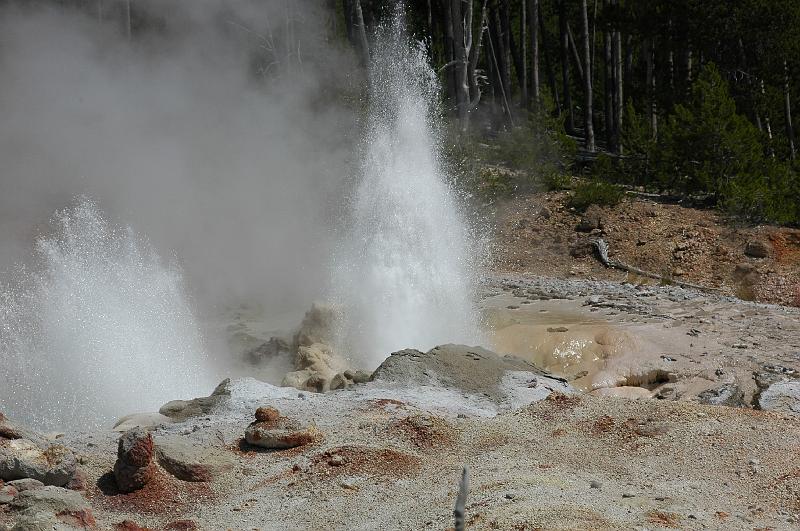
(595, 193)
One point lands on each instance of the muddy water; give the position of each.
(593, 352)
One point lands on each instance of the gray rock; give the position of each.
(180, 410)
(340, 381)
(21, 458)
(25, 484)
(11, 430)
(280, 435)
(7, 494)
(783, 396)
(189, 459)
(51, 508)
(358, 377)
(756, 249)
(728, 394)
(470, 369)
(141, 420)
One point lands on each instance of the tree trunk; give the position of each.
(768, 125)
(616, 43)
(787, 110)
(628, 71)
(462, 42)
(533, 17)
(359, 30)
(501, 74)
(523, 39)
(587, 81)
(474, 54)
(564, 39)
(576, 55)
(449, 52)
(609, 91)
(649, 56)
(516, 56)
(548, 64)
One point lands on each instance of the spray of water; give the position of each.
(96, 328)
(404, 277)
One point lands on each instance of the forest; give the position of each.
(692, 98)
(686, 98)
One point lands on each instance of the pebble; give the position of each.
(595, 484)
(628, 495)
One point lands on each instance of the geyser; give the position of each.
(98, 326)
(404, 275)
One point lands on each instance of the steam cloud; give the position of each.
(215, 131)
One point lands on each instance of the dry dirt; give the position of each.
(535, 234)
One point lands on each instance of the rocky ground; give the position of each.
(640, 407)
(537, 234)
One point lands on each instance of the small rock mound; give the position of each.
(134, 467)
(191, 460)
(27, 454)
(275, 432)
(180, 410)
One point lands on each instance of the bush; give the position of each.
(595, 192)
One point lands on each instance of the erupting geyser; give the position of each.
(404, 277)
(96, 328)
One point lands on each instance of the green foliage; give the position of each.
(706, 144)
(595, 192)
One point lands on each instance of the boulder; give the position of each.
(22, 458)
(278, 432)
(7, 494)
(191, 460)
(783, 396)
(756, 249)
(10, 430)
(582, 248)
(473, 370)
(134, 467)
(180, 410)
(25, 484)
(51, 508)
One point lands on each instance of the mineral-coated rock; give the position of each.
(51, 508)
(190, 460)
(21, 458)
(277, 432)
(180, 410)
(781, 396)
(134, 467)
(26, 484)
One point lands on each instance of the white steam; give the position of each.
(97, 328)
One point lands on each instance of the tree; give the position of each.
(588, 116)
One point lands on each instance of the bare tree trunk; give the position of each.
(496, 56)
(575, 53)
(474, 54)
(516, 57)
(523, 38)
(768, 125)
(649, 55)
(609, 91)
(628, 71)
(360, 31)
(504, 37)
(564, 38)
(588, 116)
(462, 42)
(551, 76)
(533, 17)
(787, 110)
(449, 51)
(616, 43)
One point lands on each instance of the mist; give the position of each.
(214, 132)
